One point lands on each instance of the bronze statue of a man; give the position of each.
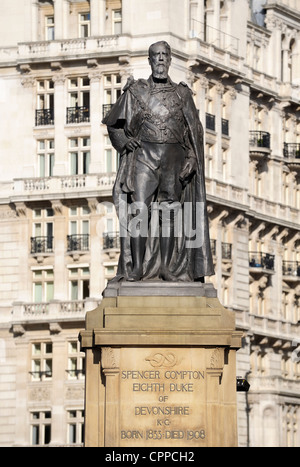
(155, 127)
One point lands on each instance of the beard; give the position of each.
(160, 71)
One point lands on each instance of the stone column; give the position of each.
(58, 402)
(110, 362)
(60, 239)
(95, 119)
(96, 268)
(219, 90)
(25, 280)
(61, 15)
(60, 105)
(98, 14)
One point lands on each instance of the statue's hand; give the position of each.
(132, 144)
(188, 169)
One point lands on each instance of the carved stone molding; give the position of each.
(110, 358)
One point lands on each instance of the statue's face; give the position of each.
(160, 60)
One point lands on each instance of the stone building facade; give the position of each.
(63, 63)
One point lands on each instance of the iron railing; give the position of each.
(260, 139)
(78, 114)
(41, 245)
(44, 117)
(111, 240)
(291, 268)
(225, 127)
(291, 150)
(78, 242)
(210, 122)
(261, 260)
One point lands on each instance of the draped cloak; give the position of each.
(192, 258)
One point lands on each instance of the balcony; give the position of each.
(260, 144)
(111, 240)
(31, 189)
(78, 242)
(226, 249)
(50, 312)
(44, 117)
(225, 127)
(291, 151)
(78, 114)
(291, 269)
(214, 37)
(259, 262)
(210, 121)
(41, 245)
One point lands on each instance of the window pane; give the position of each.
(35, 435)
(73, 228)
(74, 290)
(36, 349)
(108, 160)
(74, 163)
(85, 227)
(85, 289)
(37, 230)
(42, 165)
(38, 292)
(48, 368)
(49, 291)
(51, 165)
(47, 434)
(48, 347)
(86, 162)
(72, 433)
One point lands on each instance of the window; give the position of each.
(79, 154)
(76, 361)
(41, 361)
(44, 114)
(117, 22)
(84, 24)
(43, 285)
(42, 239)
(75, 426)
(111, 156)
(78, 110)
(40, 428)
(112, 91)
(49, 28)
(45, 157)
(79, 283)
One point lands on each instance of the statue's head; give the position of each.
(160, 59)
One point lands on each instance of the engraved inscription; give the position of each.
(163, 398)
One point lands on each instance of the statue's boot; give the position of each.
(138, 245)
(166, 251)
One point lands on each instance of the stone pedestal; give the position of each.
(160, 367)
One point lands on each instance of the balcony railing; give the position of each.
(261, 260)
(291, 150)
(111, 240)
(78, 114)
(225, 127)
(78, 242)
(41, 245)
(291, 268)
(260, 139)
(215, 37)
(210, 122)
(44, 117)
